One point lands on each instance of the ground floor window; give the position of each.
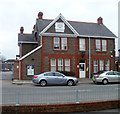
(101, 65)
(107, 65)
(95, 66)
(53, 64)
(67, 65)
(60, 65)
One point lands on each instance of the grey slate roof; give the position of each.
(26, 38)
(83, 28)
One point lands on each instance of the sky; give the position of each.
(17, 13)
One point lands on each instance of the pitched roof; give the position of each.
(83, 28)
(26, 38)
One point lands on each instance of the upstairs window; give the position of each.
(64, 43)
(60, 43)
(98, 45)
(103, 45)
(82, 44)
(56, 43)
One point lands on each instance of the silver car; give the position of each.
(54, 78)
(106, 77)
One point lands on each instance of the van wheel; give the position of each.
(105, 81)
(43, 83)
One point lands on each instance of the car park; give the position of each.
(54, 78)
(106, 77)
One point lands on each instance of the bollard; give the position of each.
(77, 99)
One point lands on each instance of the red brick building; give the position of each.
(62, 45)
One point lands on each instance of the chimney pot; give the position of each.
(21, 30)
(100, 20)
(40, 15)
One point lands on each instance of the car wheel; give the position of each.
(43, 83)
(105, 81)
(70, 83)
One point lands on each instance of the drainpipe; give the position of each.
(19, 70)
(89, 58)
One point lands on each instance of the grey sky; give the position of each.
(17, 13)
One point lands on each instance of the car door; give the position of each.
(59, 78)
(49, 77)
(111, 76)
(117, 76)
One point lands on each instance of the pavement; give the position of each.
(80, 81)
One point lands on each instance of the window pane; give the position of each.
(107, 65)
(67, 65)
(53, 64)
(64, 43)
(60, 64)
(101, 65)
(56, 43)
(103, 45)
(95, 66)
(97, 45)
(82, 44)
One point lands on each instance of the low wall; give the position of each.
(71, 107)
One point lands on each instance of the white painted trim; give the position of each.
(30, 52)
(58, 34)
(64, 20)
(27, 42)
(73, 35)
(96, 36)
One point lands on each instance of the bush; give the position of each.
(68, 73)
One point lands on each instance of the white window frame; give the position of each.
(53, 64)
(95, 66)
(101, 65)
(67, 65)
(82, 44)
(98, 46)
(104, 45)
(60, 64)
(59, 27)
(107, 65)
(56, 43)
(64, 43)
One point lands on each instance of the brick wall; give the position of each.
(16, 70)
(54, 108)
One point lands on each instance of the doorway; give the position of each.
(82, 69)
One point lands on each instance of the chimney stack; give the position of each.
(21, 30)
(40, 15)
(100, 20)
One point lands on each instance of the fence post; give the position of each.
(77, 99)
(17, 98)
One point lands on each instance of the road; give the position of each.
(34, 94)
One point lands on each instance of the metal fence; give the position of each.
(52, 95)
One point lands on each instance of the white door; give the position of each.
(82, 70)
